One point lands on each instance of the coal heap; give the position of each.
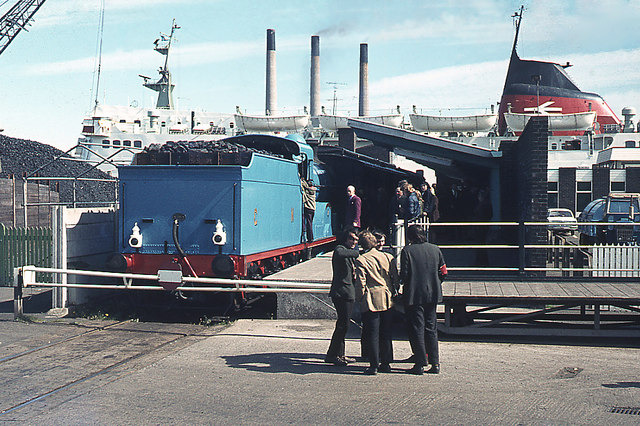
(23, 156)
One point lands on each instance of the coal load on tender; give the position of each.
(198, 153)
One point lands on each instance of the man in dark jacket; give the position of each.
(309, 206)
(352, 213)
(422, 270)
(342, 294)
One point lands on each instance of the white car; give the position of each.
(561, 220)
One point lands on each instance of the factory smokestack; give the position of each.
(315, 76)
(271, 92)
(363, 107)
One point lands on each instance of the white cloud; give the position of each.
(65, 12)
(459, 88)
(195, 54)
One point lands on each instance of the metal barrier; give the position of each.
(164, 280)
(22, 246)
(558, 257)
(564, 258)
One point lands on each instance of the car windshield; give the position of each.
(619, 206)
(560, 213)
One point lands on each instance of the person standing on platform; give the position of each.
(430, 202)
(342, 294)
(376, 282)
(354, 207)
(422, 269)
(396, 207)
(309, 203)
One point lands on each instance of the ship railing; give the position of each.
(524, 249)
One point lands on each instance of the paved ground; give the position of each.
(271, 372)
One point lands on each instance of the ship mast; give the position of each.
(163, 86)
(517, 18)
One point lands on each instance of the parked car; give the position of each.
(615, 208)
(561, 221)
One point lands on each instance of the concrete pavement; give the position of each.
(272, 372)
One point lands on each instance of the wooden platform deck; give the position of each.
(587, 291)
(589, 307)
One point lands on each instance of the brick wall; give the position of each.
(523, 181)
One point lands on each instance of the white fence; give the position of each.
(616, 260)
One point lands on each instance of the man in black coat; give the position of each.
(353, 211)
(422, 270)
(342, 294)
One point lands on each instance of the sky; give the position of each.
(446, 57)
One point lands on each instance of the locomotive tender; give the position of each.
(233, 208)
(219, 212)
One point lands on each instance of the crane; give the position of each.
(16, 19)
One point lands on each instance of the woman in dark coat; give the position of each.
(422, 270)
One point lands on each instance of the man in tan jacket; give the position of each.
(376, 282)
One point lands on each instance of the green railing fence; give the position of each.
(21, 246)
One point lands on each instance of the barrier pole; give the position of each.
(18, 307)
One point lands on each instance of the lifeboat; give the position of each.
(331, 123)
(271, 123)
(579, 121)
(469, 123)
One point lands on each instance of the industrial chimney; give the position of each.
(363, 106)
(271, 92)
(315, 76)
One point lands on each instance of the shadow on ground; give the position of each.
(33, 304)
(296, 363)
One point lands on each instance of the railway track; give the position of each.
(72, 364)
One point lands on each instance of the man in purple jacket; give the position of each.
(352, 214)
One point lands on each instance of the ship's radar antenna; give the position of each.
(163, 86)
